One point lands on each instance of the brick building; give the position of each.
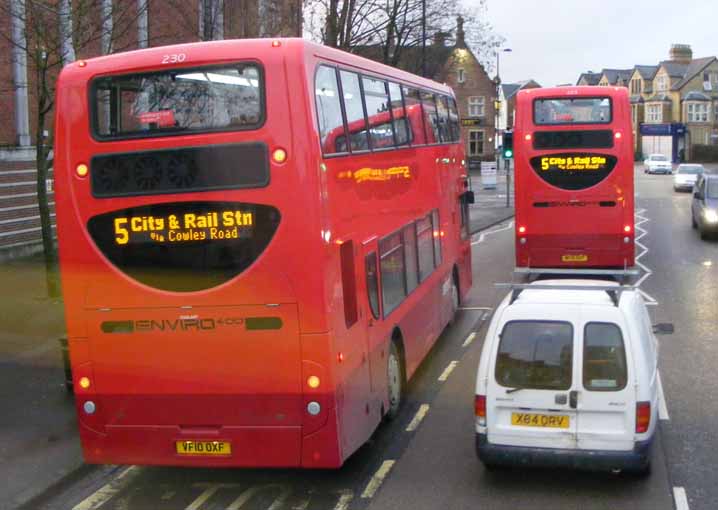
(133, 24)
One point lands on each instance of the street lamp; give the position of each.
(497, 106)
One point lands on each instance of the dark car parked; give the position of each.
(704, 208)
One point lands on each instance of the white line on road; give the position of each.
(344, 500)
(106, 492)
(377, 479)
(482, 308)
(468, 340)
(662, 407)
(680, 498)
(208, 493)
(447, 371)
(423, 409)
(483, 235)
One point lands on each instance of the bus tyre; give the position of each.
(395, 381)
(455, 301)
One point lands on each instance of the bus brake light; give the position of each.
(522, 230)
(313, 381)
(276, 43)
(618, 136)
(627, 228)
(82, 170)
(279, 155)
(528, 137)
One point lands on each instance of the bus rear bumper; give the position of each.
(250, 446)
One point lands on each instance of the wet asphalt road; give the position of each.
(435, 466)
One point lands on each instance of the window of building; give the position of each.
(661, 83)
(697, 112)
(636, 86)
(476, 106)
(654, 113)
(715, 112)
(462, 76)
(476, 143)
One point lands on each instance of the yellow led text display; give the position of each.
(575, 163)
(182, 228)
(377, 174)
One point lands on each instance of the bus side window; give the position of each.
(454, 121)
(401, 123)
(442, 109)
(349, 290)
(425, 247)
(431, 117)
(437, 237)
(372, 284)
(393, 281)
(376, 98)
(329, 111)
(412, 103)
(410, 261)
(354, 108)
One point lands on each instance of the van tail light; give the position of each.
(480, 409)
(643, 417)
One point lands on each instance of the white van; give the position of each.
(568, 377)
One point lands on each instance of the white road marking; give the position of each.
(680, 498)
(302, 505)
(107, 491)
(208, 493)
(423, 409)
(468, 340)
(662, 408)
(377, 479)
(481, 308)
(447, 371)
(344, 500)
(651, 301)
(482, 235)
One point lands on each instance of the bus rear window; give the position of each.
(178, 101)
(584, 110)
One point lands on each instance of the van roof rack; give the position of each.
(613, 291)
(618, 274)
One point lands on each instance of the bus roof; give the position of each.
(216, 52)
(573, 91)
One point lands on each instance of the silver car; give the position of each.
(657, 164)
(704, 208)
(686, 176)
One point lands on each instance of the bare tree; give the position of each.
(49, 35)
(392, 26)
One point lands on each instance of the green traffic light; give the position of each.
(508, 153)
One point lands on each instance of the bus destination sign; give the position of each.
(183, 227)
(573, 170)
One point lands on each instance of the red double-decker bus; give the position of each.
(574, 178)
(239, 291)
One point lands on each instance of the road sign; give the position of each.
(488, 174)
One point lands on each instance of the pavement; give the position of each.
(490, 206)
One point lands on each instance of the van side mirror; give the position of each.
(467, 197)
(663, 328)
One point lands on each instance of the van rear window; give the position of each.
(535, 355)
(176, 101)
(604, 358)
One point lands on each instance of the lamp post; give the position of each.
(497, 106)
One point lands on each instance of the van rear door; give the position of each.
(530, 382)
(607, 395)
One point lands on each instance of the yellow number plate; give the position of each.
(575, 258)
(203, 447)
(554, 421)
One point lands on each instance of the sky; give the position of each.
(554, 41)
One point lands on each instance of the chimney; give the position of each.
(460, 41)
(681, 53)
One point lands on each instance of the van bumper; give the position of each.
(592, 460)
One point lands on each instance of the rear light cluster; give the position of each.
(643, 417)
(480, 409)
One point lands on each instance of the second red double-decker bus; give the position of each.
(574, 178)
(260, 241)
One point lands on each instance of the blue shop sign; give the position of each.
(656, 129)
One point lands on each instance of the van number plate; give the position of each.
(554, 421)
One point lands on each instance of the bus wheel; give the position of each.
(454, 299)
(395, 381)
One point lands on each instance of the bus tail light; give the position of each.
(276, 43)
(627, 229)
(643, 417)
(82, 170)
(480, 409)
(618, 135)
(279, 155)
(522, 230)
(313, 382)
(527, 137)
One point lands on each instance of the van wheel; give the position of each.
(395, 381)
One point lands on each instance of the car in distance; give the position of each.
(657, 164)
(568, 378)
(686, 176)
(704, 207)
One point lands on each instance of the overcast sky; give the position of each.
(555, 41)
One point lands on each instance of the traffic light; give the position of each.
(508, 144)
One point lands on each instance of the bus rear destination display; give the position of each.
(574, 163)
(187, 227)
